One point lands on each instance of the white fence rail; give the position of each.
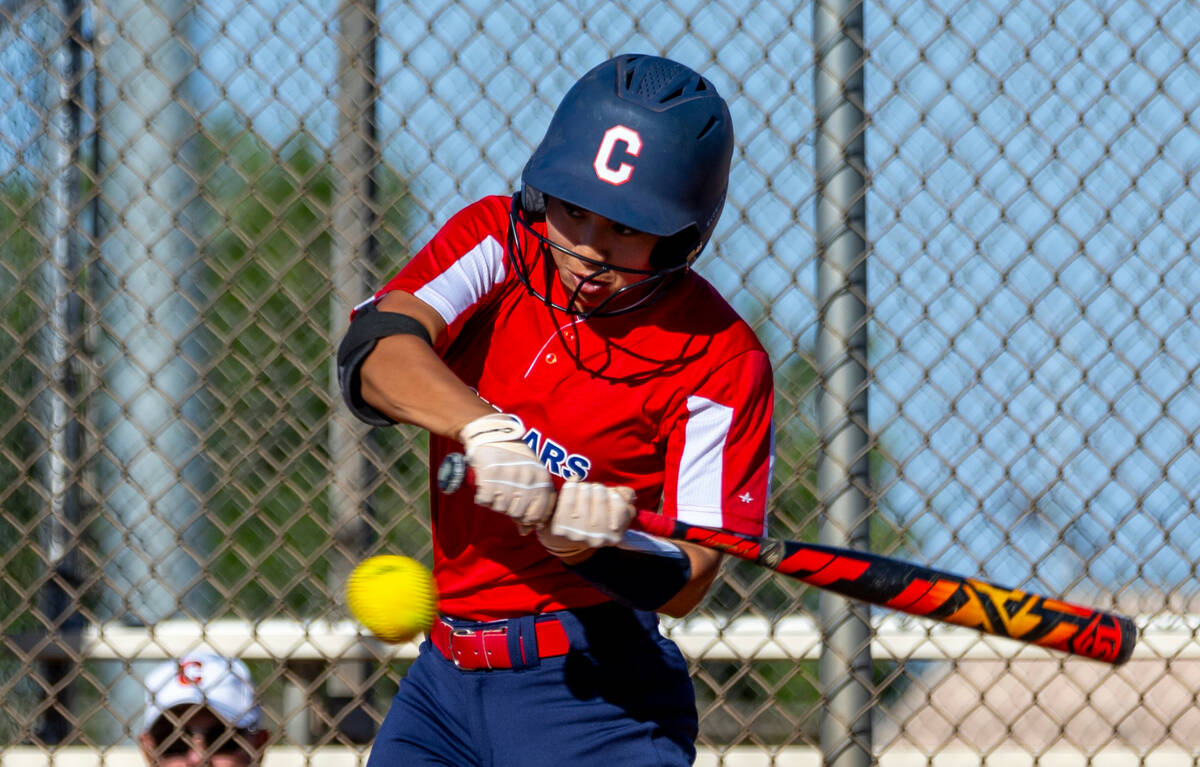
(792, 638)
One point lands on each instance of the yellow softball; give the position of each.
(393, 596)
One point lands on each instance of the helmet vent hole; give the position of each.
(657, 81)
(671, 96)
(712, 123)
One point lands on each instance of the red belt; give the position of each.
(486, 647)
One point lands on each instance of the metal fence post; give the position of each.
(842, 475)
(355, 158)
(64, 433)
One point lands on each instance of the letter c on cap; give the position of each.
(192, 678)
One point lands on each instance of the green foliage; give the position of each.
(21, 379)
(265, 284)
(21, 502)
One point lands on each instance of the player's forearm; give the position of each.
(407, 381)
(706, 563)
(404, 379)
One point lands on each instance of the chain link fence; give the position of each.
(194, 192)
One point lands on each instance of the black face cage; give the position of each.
(653, 286)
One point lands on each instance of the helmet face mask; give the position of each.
(625, 299)
(642, 141)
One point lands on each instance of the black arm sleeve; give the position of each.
(368, 326)
(642, 577)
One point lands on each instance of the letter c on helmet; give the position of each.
(633, 145)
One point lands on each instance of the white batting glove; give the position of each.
(588, 515)
(509, 478)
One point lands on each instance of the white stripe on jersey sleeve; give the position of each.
(467, 280)
(701, 468)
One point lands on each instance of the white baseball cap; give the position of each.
(219, 684)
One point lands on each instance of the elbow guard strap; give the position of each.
(368, 326)
(641, 572)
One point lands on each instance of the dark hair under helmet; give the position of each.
(643, 141)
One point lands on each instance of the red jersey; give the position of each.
(673, 400)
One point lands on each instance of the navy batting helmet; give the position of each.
(643, 141)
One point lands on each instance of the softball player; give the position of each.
(560, 338)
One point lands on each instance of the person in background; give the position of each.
(201, 710)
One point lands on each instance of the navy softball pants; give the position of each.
(621, 697)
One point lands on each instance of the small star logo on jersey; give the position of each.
(745, 498)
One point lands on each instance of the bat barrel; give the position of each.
(922, 591)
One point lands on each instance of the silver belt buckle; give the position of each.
(457, 633)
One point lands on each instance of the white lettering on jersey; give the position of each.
(633, 145)
(557, 459)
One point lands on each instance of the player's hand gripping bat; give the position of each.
(903, 586)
